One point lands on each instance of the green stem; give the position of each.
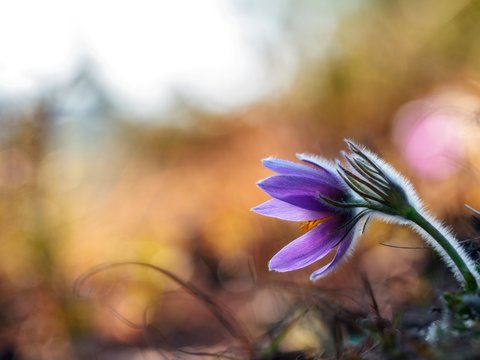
(470, 281)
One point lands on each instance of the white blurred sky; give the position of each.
(145, 50)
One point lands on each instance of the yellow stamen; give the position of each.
(309, 225)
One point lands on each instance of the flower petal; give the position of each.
(341, 252)
(318, 161)
(325, 165)
(308, 248)
(285, 167)
(285, 211)
(299, 190)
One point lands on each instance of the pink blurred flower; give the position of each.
(430, 140)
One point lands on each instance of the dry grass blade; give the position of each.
(221, 313)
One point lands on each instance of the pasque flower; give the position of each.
(334, 201)
(297, 194)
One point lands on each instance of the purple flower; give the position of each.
(308, 194)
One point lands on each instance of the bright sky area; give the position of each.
(144, 50)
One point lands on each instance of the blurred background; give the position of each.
(133, 131)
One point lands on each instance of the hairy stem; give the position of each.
(451, 251)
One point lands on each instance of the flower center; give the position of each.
(309, 225)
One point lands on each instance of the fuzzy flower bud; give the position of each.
(389, 196)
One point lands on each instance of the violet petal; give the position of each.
(285, 167)
(308, 248)
(340, 254)
(299, 190)
(323, 165)
(285, 211)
